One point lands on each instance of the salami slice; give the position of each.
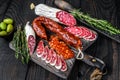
(82, 35)
(45, 53)
(66, 18)
(58, 64)
(82, 32)
(40, 49)
(73, 30)
(92, 37)
(31, 44)
(64, 65)
(87, 33)
(54, 58)
(49, 56)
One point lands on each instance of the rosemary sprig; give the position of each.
(97, 23)
(20, 44)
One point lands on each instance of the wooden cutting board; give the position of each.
(104, 48)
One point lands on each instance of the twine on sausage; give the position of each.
(80, 54)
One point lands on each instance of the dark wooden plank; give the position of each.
(104, 48)
(10, 67)
(3, 7)
(118, 47)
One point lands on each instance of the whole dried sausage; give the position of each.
(56, 28)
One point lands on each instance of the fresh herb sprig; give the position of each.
(98, 23)
(20, 44)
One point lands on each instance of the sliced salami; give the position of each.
(40, 49)
(58, 64)
(49, 56)
(66, 18)
(31, 43)
(92, 37)
(82, 35)
(82, 32)
(54, 58)
(87, 33)
(45, 53)
(64, 65)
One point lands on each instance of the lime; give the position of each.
(3, 26)
(8, 21)
(3, 33)
(9, 28)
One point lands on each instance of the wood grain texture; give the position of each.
(104, 48)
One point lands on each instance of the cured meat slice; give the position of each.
(54, 58)
(92, 37)
(49, 56)
(58, 64)
(45, 53)
(31, 44)
(82, 35)
(64, 65)
(66, 18)
(82, 32)
(40, 49)
(74, 30)
(87, 33)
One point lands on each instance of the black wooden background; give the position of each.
(104, 48)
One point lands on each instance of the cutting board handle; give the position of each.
(94, 62)
(63, 5)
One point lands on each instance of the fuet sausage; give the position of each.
(30, 37)
(55, 14)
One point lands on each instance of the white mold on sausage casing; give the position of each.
(30, 34)
(44, 10)
(29, 30)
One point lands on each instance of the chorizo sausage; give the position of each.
(39, 29)
(60, 47)
(58, 29)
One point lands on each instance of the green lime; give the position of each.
(3, 33)
(8, 21)
(9, 28)
(3, 26)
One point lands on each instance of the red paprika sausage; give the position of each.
(56, 28)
